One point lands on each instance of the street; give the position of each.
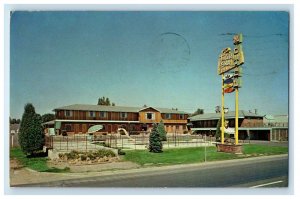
(252, 173)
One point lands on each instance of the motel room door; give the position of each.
(84, 128)
(109, 128)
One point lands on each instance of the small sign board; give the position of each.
(51, 131)
(225, 62)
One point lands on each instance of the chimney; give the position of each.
(255, 111)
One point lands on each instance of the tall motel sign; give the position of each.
(229, 67)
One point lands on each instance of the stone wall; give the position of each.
(229, 148)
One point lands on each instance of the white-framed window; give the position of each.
(181, 116)
(68, 113)
(168, 116)
(150, 116)
(123, 115)
(92, 114)
(102, 114)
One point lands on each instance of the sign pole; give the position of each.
(236, 135)
(222, 112)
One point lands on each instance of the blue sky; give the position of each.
(162, 59)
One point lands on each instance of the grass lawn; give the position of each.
(196, 155)
(35, 163)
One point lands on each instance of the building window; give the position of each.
(102, 114)
(181, 116)
(123, 115)
(68, 113)
(168, 116)
(150, 116)
(92, 114)
(177, 127)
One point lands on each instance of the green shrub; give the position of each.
(83, 157)
(72, 155)
(121, 152)
(61, 155)
(92, 155)
(102, 152)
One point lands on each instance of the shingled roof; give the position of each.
(215, 116)
(87, 107)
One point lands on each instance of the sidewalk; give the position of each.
(25, 176)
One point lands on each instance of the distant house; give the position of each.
(78, 118)
(13, 138)
(279, 125)
(14, 128)
(251, 125)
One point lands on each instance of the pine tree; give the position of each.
(155, 144)
(105, 101)
(31, 136)
(162, 132)
(218, 130)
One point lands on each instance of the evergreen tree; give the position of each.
(155, 144)
(48, 117)
(162, 132)
(198, 112)
(31, 136)
(105, 101)
(218, 130)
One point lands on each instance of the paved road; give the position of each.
(257, 172)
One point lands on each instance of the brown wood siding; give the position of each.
(175, 121)
(252, 122)
(84, 115)
(143, 119)
(175, 116)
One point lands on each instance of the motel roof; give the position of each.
(216, 116)
(86, 107)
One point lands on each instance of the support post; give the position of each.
(236, 134)
(205, 148)
(222, 112)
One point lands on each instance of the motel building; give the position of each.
(252, 126)
(78, 118)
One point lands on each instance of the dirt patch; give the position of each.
(15, 164)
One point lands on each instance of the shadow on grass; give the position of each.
(39, 154)
(57, 170)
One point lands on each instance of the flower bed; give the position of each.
(90, 157)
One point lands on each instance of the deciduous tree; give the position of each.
(48, 117)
